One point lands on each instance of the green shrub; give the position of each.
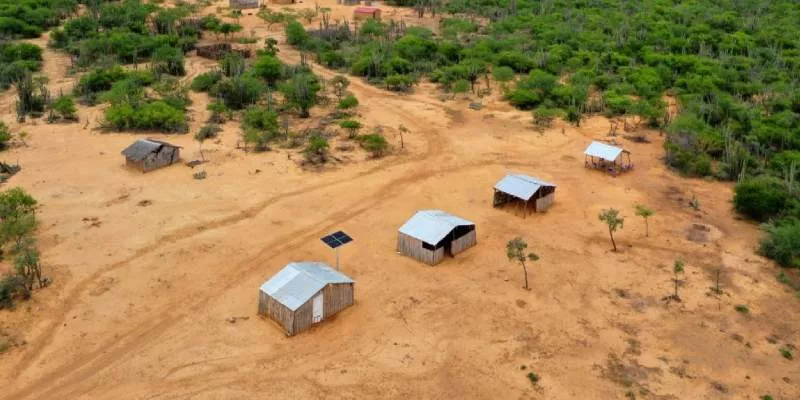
(352, 126)
(268, 68)
(782, 242)
(348, 102)
(375, 144)
(209, 131)
(156, 115)
(786, 353)
(239, 92)
(5, 135)
(533, 377)
(761, 198)
(317, 148)
(741, 308)
(64, 106)
(205, 81)
(399, 83)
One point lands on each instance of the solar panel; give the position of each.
(337, 239)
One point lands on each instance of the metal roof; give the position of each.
(604, 151)
(297, 282)
(142, 147)
(520, 186)
(431, 226)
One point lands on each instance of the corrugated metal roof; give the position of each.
(431, 226)
(297, 282)
(142, 147)
(604, 151)
(520, 186)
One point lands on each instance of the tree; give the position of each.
(64, 106)
(307, 14)
(503, 75)
(677, 270)
(296, 34)
(460, 86)
(644, 212)
(206, 132)
(268, 68)
(300, 92)
(317, 149)
(352, 126)
(611, 217)
(271, 46)
(761, 198)
(339, 83)
(515, 251)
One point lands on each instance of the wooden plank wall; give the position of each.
(464, 242)
(412, 247)
(274, 310)
(543, 203)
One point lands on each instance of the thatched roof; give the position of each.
(140, 149)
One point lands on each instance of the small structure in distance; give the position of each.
(244, 4)
(367, 13)
(524, 190)
(430, 235)
(604, 156)
(149, 154)
(284, 1)
(303, 294)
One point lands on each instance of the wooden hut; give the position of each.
(149, 154)
(431, 235)
(607, 157)
(244, 4)
(218, 50)
(284, 1)
(304, 294)
(527, 192)
(366, 13)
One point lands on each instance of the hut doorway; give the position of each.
(316, 309)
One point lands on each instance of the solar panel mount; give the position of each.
(336, 239)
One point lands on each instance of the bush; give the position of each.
(156, 115)
(761, 198)
(399, 83)
(209, 131)
(544, 116)
(742, 309)
(296, 34)
(351, 126)
(782, 243)
(240, 92)
(64, 106)
(260, 126)
(375, 144)
(268, 68)
(317, 149)
(5, 135)
(348, 102)
(205, 81)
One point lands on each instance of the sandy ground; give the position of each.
(149, 267)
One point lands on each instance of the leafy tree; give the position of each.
(268, 68)
(503, 75)
(260, 127)
(644, 212)
(239, 92)
(352, 126)
(614, 221)
(460, 86)
(206, 132)
(300, 92)
(296, 34)
(232, 64)
(515, 251)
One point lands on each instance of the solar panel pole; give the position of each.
(337, 258)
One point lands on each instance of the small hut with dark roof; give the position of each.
(528, 192)
(303, 294)
(431, 235)
(149, 154)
